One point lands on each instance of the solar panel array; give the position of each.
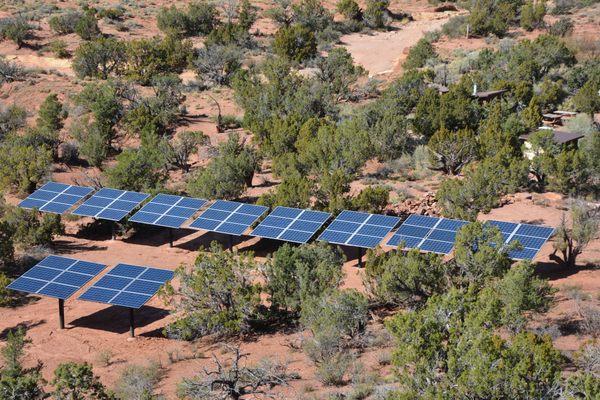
(359, 229)
(426, 233)
(291, 224)
(58, 277)
(127, 285)
(531, 238)
(350, 228)
(228, 217)
(168, 211)
(55, 197)
(110, 204)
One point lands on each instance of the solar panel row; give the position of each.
(350, 228)
(127, 285)
(168, 211)
(58, 277)
(55, 197)
(228, 217)
(110, 204)
(431, 234)
(359, 229)
(531, 238)
(291, 224)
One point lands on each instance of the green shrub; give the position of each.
(349, 9)
(228, 175)
(66, 22)
(11, 118)
(99, 58)
(22, 167)
(404, 279)
(216, 295)
(563, 27)
(375, 14)
(295, 275)
(372, 199)
(16, 29)
(139, 170)
(51, 114)
(455, 27)
(138, 382)
(32, 228)
(217, 64)
(200, 18)
(77, 381)
(59, 49)
(87, 26)
(532, 14)
(419, 54)
(149, 58)
(295, 43)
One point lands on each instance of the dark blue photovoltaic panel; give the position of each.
(229, 217)
(291, 224)
(359, 229)
(110, 204)
(55, 197)
(436, 235)
(127, 285)
(168, 211)
(530, 237)
(57, 277)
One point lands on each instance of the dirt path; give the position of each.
(62, 66)
(381, 52)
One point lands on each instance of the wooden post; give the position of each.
(230, 242)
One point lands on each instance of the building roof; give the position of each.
(560, 137)
(489, 94)
(439, 88)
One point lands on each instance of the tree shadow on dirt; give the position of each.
(25, 325)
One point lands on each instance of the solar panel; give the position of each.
(55, 197)
(168, 211)
(57, 277)
(359, 229)
(531, 237)
(127, 285)
(432, 234)
(229, 217)
(291, 224)
(110, 204)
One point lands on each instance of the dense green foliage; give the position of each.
(215, 295)
(229, 174)
(200, 18)
(295, 275)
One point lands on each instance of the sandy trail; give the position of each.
(59, 65)
(380, 52)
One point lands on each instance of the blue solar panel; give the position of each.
(168, 211)
(436, 235)
(55, 197)
(359, 229)
(57, 277)
(229, 217)
(531, 238)
(127, 285)
(291, 224)
(110, 204)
